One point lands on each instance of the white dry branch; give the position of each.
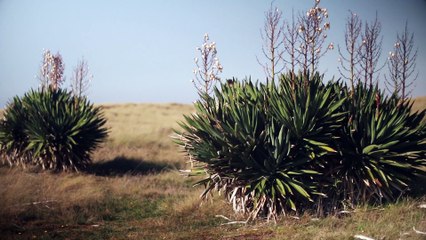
(362, 237)
(36, 203)
(231, 221)
(418, 232)
(345, 212)
(45, 203)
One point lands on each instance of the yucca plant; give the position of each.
(382, 148)
(312, 115)
(52, 129)
(262, 144)
(13, 140)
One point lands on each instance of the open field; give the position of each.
(133, 190)
(419, 103)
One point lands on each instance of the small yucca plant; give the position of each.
(52, 129)
(13, 140)
(262, 144)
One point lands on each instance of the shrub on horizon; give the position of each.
(51, 128)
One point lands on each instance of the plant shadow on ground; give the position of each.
(121, 165)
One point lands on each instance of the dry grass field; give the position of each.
(134, 190)
(419, 103)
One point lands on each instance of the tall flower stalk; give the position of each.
(52, 71)
(208, 67)
(370, 52)
(80, 79)
(402, 65)
(350, 55)
(273, 40)
(313, 29)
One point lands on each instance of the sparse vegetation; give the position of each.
(320, 159)
(132, 192)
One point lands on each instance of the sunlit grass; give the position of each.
(141, 125)
(419, 104)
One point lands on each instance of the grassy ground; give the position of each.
(419, 103)
(134, 191)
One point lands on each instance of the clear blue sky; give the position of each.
(142, 51)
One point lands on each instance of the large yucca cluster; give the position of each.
(51, 128)
(290, 146)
